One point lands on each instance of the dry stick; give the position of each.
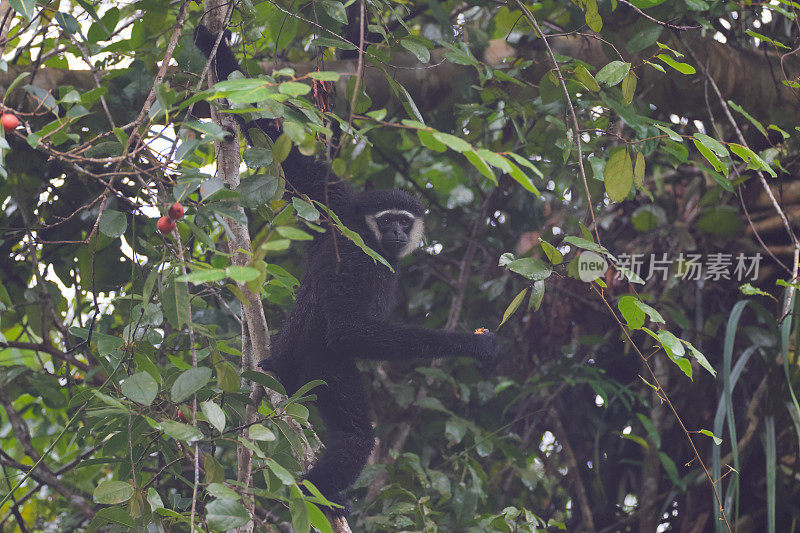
(193, 350)
(95, 76)
(648, 17)
(575, 125)
(580, 487)
(173, 42)
(14, 503)
(228, 160)
(359, 69)
(663, 395)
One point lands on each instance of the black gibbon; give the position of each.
(342, 308)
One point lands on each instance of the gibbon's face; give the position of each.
(398, 231)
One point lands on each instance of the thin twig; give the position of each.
(575, 125)
(663, 395)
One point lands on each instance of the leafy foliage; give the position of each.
(666, 131)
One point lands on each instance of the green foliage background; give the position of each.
(669, 127)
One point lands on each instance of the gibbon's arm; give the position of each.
(352, 332)
(305, 174)
(365, 338)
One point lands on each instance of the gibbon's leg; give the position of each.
(343, 407)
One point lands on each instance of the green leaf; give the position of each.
(203, 276)
(613, 73)
(175, 302)
(455, 429)
(766, 39)
(586, 78)
(257, 190)
(189, 382)
(215, 472)
(223, 515)
(111, 515)
(671, 343)
(532, 268)
(712, 144)
(628, 87)
(708, 433)
(281, 148)
(416, 48)
(739, 109)
(710, 156)
(430, 141)
(214, 414)
(325, 75)
(631, 312)
(241, 274)
(749, 290)
(112, 492)
(181, 431)
(537, 295)
(113, 223)
(293, 234)
(334, 10)
(481, 164)
(592, 16)
(325, 42)
(586, 244)
(227, 377)
(515, 303)
(141, 388)
(257, 157)
(551, 252)
(318, 518)
(654, 315)
(638, 170)
(672, 135)
(301, 522)
(220, 491)
(752, 159)
(305, 210)
(23, 7)
(452, 142)
(675, 350)
(683, 68)
(644, 38)
(294, 88)
(522, 178)
(280, 472)
(701, 359)
(261, 432)
(618, 175)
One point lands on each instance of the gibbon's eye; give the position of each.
(405, 223)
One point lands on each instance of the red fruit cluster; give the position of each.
(166, 223)
(9, 121)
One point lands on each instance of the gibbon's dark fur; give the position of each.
(342, 309)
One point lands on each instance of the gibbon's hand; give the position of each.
(486, 349)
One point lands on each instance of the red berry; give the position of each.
(176, 211)
(165, 225)
(9, 121)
